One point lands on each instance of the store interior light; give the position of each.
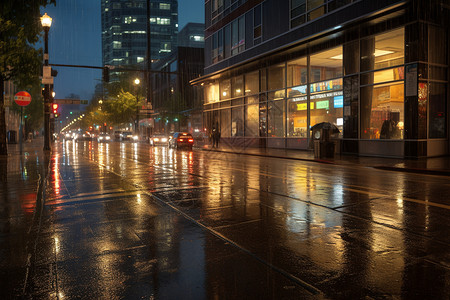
(382, 52)
(377, 53)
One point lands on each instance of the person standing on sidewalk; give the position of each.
(215, 136)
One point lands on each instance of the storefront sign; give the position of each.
(322, 104)
(304, 98)
(338, 102)
(326, 95)
(303, 106)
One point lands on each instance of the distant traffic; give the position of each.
(176, 140)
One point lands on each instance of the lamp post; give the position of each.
(136, 124)
(46, 22)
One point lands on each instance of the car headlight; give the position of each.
(156, 139)
(135, 137)
(163, 140)
(100, 138)
(108, 137)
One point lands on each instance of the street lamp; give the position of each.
(136, 124)
(46, 22)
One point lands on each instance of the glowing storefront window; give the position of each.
(212, 92)
(382, 111)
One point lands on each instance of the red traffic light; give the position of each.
(55, 108)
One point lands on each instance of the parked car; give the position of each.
(128, 136)
(159, 139)
(103, 137)
(181, 140)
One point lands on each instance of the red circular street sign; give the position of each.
(22, 98)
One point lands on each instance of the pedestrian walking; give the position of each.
(216, 137)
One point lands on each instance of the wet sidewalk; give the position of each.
(21, 191)
(432, 166)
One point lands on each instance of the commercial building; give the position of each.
(124, 31)
(177, 104)
(192, 35)
(378, 70)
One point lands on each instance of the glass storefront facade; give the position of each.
(362, 86)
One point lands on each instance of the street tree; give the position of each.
(173, 109)
(19, 61)
(94, 113)
(122, 108)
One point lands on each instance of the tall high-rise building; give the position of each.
(192, 35)
(124, 30)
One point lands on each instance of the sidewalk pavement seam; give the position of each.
(272, 156)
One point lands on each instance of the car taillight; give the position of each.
(191, 140)
(180, 140)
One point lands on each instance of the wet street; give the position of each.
(131, 221)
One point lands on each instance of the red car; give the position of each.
(181, 140)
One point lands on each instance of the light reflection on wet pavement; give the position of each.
(126, 220)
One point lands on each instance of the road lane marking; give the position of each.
(97, 197)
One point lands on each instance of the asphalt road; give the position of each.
(131, 221)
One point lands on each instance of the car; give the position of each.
(159, 139)
(103, 137)
(181, 140)
(117, 134)
(70, 136)
(83, 136)
(128, 136)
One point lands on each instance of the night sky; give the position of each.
(75, 39)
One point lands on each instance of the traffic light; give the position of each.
(55, 108)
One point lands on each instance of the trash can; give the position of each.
(12, 137)
(323, 147)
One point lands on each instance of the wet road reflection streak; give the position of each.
(324, 216)
(56, 177)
